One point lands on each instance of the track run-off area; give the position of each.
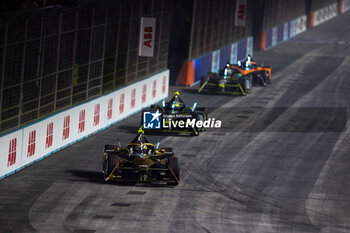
(261, 172)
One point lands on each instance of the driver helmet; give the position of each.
(176, 101)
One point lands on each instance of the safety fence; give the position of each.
(32, 143)
(214, 26)
(56, 57)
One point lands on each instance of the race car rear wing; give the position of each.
(111, 148)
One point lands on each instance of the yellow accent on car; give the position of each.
(141, 130)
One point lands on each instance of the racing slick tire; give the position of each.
(267, 75)
(246, 84)
(260, 78)
(266, 78)
(109, 163)
(203, 80)
(173, 163)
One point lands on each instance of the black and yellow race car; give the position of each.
(236, 78)
(140, 161)
(227, 81)
(173, 117)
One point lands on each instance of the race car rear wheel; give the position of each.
(110, 161)
(266, 77)
(173, 164)
(260, 78)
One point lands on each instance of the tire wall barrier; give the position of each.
(326, 13)
(192, 70)
(283, 32)
(27, 145)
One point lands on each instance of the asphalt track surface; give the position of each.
(284, 177)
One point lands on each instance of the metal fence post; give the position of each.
(192, 28)
(75, 52)
(41, 61)
(90, 52)
(117, 47)
(22, 71)
(3, 71)
(104, 49)
(58, 58)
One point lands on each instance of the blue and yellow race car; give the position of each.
(173, 117)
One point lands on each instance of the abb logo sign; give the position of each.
(31, 143)
(164, 85)
(241, 9)
(12, 153)
(66, 124)
(154, 89)
(144, 93)
(97, 114)
(133, 95)
(147, 36)
(121, 103)
(110, 109)
(49, 135)
(146, 44)
(81, 121)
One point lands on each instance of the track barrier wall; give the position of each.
(30, 144)
(282, 32)
(344, 6)
(192, 70)
(326, 13)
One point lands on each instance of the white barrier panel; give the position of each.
(274, 36)
(345, 6)
(324, 14)
(249, 46)
(215, 62)
(301, 24)
(285, 31)
(34, 142)
(11, 152)
(233, 54)
(39, 139)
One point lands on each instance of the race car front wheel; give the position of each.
(246, 84)
(174, 166)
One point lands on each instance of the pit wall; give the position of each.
(192, 70)
(282, 32)
(28, 145)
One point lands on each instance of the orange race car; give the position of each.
(260, 74)
(236, 78)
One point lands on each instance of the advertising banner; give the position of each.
(241, 12)
(147, 34)
(11, 152)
